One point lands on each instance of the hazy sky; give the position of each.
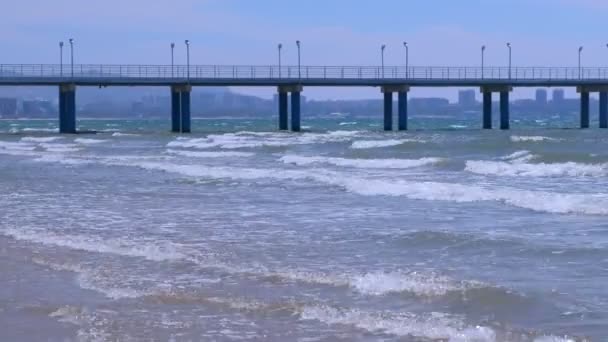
(333, 32)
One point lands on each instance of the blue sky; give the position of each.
(333, 32)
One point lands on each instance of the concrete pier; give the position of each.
(67, 108)
(487, 110)
(603, 109)
(388, 111)
(295, 111)
(504, 110)
(180, 109)
(283, 108)
(584, 109)
(402, 110)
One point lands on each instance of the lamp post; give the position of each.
(280, 46)
(407, 60)
(61, 59)
(172, 60)
(509, 46)
(299, 60)
(382, 48)
(187, 42)
(72, 55)
(483, 50)
(580, 50)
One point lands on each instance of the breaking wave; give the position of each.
(392, 163)
(570, 169)
(518, 138)
(208, 154)
(365, 144)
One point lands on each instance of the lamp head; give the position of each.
(280, 46)
(187, 42)
(483, 48)
(298, 43)
(580, 49)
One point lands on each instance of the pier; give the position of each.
(290, 82)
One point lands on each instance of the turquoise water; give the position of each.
(340, 233)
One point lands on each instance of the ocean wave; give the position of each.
(117, 134)
(16, 146)
(29, 129)
(61, 159)
(365, 144)
(60, 148)
(437, 326)
(247, 140)
(519, 138)
(40, 139)
(118, 246)
(392, 163)
(421, 284)
(86, 141)
(570, 169)
(543, 201)
(520, 156)
(209, 154)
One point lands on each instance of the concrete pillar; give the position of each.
(180, 108)
(283, 107)
(388, 111)
(67, 108)
(487, 110)
(504, 110)
(295, 111)
(584, 109)
(402, 110)
(603, 109)
(185, 102)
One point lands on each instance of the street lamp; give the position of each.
(172, 60)
(299, 65)
(280, 46)
(187, 42)
(382, 48)
(483, 50)
(72, 55)
(580, 50)
(407, 59)
(61, 59)
(509, 46)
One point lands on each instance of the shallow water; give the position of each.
(343, 232)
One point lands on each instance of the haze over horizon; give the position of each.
(332, 33)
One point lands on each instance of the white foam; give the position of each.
(61, 159)
(435, 326)
(570, 169)
(564, 203)
(392, 163)
(349, 123)
(518, 138)
(16, 146)
(249, 140)
(60, 148)
(40, 139)
(119, 246)
(519, 156)
(86, 141)
(28, 129)
(208, 154)
(553, 339)
(429, 285)
(364, 144)
(124, 134)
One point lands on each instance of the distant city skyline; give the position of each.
(242, 32)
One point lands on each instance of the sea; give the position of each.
(342, 232)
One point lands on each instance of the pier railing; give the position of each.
(259, 72)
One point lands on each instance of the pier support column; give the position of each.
(504, 110)
(487, 110)
(402, 110)
(401, 91)
(603, 109)
(295, 111)
(388, 111)
(283, 107)
(180, 108)
(67, 108)
(584, 109)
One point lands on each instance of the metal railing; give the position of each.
(260, 72)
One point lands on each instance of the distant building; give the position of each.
(558, 96)
(428, 103)
(541, 97)
(8, 106)
(466, 98)
(38, 108)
